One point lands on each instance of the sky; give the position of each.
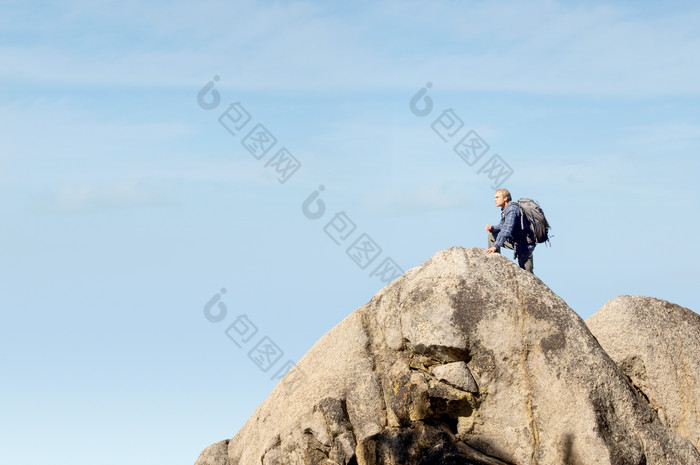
(185, 184)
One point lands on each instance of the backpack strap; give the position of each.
(529, 233)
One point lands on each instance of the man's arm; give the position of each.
(494, 230)
(508, 224)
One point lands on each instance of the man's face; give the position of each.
(500, 199)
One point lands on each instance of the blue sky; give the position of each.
(127, 206)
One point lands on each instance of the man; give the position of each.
(513, 232)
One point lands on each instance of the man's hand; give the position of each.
(488, 227)
(491, 250)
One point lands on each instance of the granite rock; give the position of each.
(656, 344)
(465, 359)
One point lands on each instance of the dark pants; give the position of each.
(523, 254)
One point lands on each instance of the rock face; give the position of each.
(657, 345)
(466, 359)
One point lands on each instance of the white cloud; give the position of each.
(535, 47)
(665, 137)
(425, 197)
(645, 177)
(84, 197)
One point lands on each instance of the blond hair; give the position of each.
(505, 194)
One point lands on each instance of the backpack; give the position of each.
(538, 222)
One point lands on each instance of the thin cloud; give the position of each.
(644, 176)
(548, 47)
(417, 198)
(669, 136)
(89, 198)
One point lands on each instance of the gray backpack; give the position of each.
(538, 222)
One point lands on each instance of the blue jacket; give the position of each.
(515, 228)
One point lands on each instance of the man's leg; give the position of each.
(492, 241)
(525, 260)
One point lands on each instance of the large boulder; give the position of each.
(466, 359)
(657, 345)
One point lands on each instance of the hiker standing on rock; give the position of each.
(513, 232)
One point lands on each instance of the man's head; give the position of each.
(502, 197)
